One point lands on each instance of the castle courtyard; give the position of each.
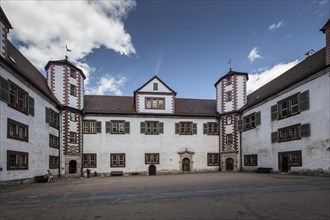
(226, 195)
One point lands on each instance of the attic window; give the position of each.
(12, 59)
(191, 109)
(118, 107)
(155, 86)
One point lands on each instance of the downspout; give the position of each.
(218, 119)
(82, 141)
(240, 144)
(59, 147)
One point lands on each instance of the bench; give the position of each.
(264, 170)
(116, 173)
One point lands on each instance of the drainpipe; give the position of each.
(82, 141)
(240, 144)
(59, 147)
(218, 119)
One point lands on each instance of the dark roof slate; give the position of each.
(302, 70)
(95, 104)
(23, 67)
(4, 18)
(65, 62)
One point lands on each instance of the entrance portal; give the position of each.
(152, 170)
(185, 164)
(284, 163)
(229, 164)
(72, 166)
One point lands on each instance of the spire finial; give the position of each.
(66, 51)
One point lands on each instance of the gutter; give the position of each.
(240, 144)
(218, 119)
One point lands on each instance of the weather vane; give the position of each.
(66, 51)
(229, 63)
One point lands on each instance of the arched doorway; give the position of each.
(229, 164)
(185, 164)
(152, 170)
(72, 166)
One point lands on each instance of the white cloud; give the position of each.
(259, 79)
(275, 26)
(45, 27)
(108, 84)
(324, 2)
(254, 54)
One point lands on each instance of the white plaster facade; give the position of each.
(135, 145)
(315, 148)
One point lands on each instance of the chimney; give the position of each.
(326, 30)
(4, 30)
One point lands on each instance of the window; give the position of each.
(73, 90)
(250, 121)
(155, 86)
(18, 98)
(54, 162)
(228, 96)
(210, 128)
(185, 128)
(290, 106)
(229, 120)
(72, 73)
(54, 141)
(117, 127)
(289, 133)
(213, 159)
(17, 160)
(73, 137)
(155, 103)
(152, 127)
(294, 132)
(229, 139)
(52, 118)
(251, 160)
(117, 160)
(17, 130)
(228, 81)
(89, 160)
(151, 158)
(72, 116)
(89, 127)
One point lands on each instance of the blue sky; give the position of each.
(122, 44)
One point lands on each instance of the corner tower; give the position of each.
(66, 81)
(231, 97)
(4, 30)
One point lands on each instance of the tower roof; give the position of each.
(231, 73)
(5, 19)
(65, 62)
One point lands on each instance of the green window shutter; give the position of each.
(240, 125)
(161, 127)
(258, 118)
(273, 112)
(305, 130)
(303, 101)
(98, 127)
(4, 90)
(204, 128)
(274, 136)
(177, 128)
(107, 127)
(194, 130)
(31, 106)
(142, 127)
(127, 128)
(47, 115)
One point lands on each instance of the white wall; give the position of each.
(135, 145)
(315, 149)
(38, 144)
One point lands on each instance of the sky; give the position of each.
(189, 44)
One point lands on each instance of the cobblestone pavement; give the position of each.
(186, 196)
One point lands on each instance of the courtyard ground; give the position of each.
(184, 196)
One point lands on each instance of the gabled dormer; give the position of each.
(155, 97)
(4, 30)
